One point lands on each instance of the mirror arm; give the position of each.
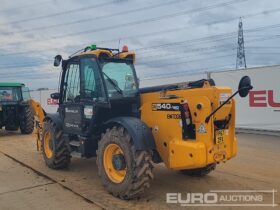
(208, 118)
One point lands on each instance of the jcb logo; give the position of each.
(263, 98)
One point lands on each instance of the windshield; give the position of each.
(119, 79)
(9, 94)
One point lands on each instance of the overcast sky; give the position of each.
(170, 37)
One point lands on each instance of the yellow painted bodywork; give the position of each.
(121, 55)
(39, 119)
(178, 153)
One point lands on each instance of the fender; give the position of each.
(141, 134)
(55, 118)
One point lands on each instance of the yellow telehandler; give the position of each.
(103, 112)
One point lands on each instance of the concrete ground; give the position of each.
(27, 183)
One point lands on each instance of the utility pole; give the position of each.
(240, 58)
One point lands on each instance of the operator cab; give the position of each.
(97, 85)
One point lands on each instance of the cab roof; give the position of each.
(11, 84)
(109, 53)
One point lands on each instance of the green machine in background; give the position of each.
(15, 111)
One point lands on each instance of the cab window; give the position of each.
(25, 93)
(91, 82)
(72, 83)
(119, 76)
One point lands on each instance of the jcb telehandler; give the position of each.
(15, 111)
(102, 112)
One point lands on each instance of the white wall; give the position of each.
(43, 96)
(263, 113)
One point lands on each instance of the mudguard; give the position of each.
(141, 134)
(55, 118)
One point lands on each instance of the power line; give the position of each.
(193, 50)
(233, 48)
(98, 17)
(198, 49)
(211, 38)
(59, 13)
(141, 21)
(262, 47)
(263, 53)
(190, 61)
(184, 56)
(161, 57)
(25, 6)
(152, 33)
(26, 73)
(176, 73)
(24, 64)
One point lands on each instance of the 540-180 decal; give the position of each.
(166, 107)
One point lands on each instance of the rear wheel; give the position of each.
(26, 121)
(124, 172)
(200, 171)
(54, 147)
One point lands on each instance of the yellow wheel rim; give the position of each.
(47, 148)
(115, 175)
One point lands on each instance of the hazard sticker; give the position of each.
(201, 129)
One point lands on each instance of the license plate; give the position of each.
(219, 137)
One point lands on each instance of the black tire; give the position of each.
(26, 121)
(60, 153)
(200, 171)
(138, 165)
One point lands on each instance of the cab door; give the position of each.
(71, 108)
(83, 93)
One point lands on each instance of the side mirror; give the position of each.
(244, 86)
(55, 96)
(57, 60)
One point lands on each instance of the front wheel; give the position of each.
(124, 172)
(200, 171)
(54, 147)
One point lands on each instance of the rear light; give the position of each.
(186, 111)
(188, 129)
(125, 48)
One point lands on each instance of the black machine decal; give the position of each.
(173, 116)
(73, 119)
(166, 107)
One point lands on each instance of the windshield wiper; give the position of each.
(114, 84)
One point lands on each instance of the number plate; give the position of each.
(219, 136)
